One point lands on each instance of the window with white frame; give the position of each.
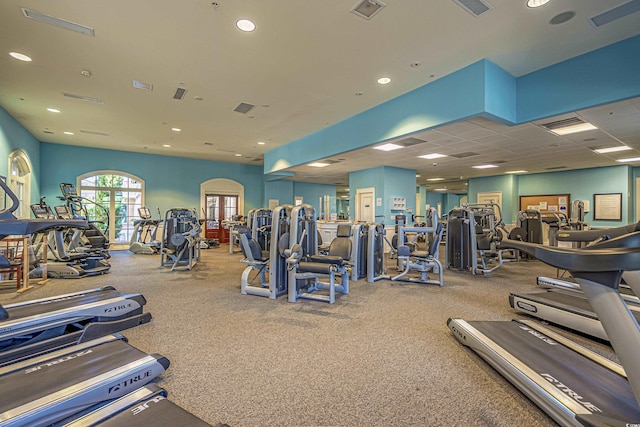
(20, 181)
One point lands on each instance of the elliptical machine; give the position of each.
(143, 239)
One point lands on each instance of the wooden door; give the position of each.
(219, 208)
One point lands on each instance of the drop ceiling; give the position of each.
(307, 65)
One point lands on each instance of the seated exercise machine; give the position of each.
(231, 225)
(259, 221)
(180, 246)
(563, 303)
(422, 261)
(473, 234)
(265, 262)
(306, 267)
(143, 239)
(573, 385)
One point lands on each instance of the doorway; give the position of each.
(219, 208)
(365, 205)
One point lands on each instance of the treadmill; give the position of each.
(571, 384)
(37, 326)
(564, 304)
(143, 407)
(46, 389)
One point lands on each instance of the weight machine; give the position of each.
(306, 267)
(180, 246)
(410, 258)
(473, 233)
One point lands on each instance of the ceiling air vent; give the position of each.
(571, 121)
(408, 142)
(60, 23)
(180, 93)
(93, 132)
(614, 14)
(142, 85)
(474, 7)
(367, 9)
(84, 98)
(552, 168)
(243, 108)
(463, 155)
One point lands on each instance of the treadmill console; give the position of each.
(68, 190)
(144, 213)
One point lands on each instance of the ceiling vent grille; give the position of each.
(60, 23)
(408, 142)
(465, 154)
(93, 132)
(243, 108)
(571, 121)
(180, 93)
(474, 7)
(552, 168)
(84, 98)
(329, 161)
(367, 9)
(142, 85)
(614, 14)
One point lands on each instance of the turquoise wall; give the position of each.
(285, 192)
(169, 181)
(579, 184)
(582, 185)
(388, 182)
(502, 183)
(15, 137)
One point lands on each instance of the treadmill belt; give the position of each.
(571, 373)
(26, 385)
(59, 304)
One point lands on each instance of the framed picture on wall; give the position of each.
(607, 206)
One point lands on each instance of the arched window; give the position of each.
(120, 193)
(20, 181)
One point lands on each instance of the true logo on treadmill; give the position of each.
(129, 381)
(538, 335)
(572, 394)
(117, 308)
(527, 307)
(145, 405)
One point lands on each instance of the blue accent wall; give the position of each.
(169, 181)
(579, 184)
(13, 136)
(388, 182)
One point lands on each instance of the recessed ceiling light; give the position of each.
(384, 80)
(53, 110)
(520, 171)
(68, 133)
(61, 23)
(612, 149)
(439, 189)
(238, 155)
(388, 147)
(245, 25)
(582, 127)
(435, 179)
(166, 145)
(417, 175)
(318, 164)
(20, 56)
(484, 166)
(628, 160)
(261, 142)
(536, 3)
(176, 129)
(432, 156)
